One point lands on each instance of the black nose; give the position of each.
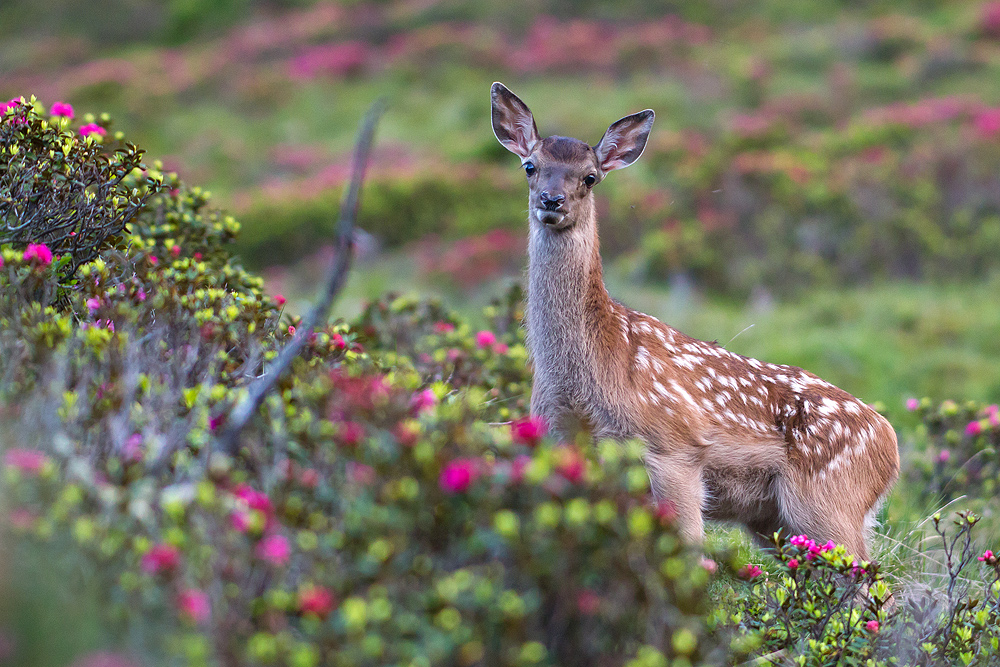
(551, 203)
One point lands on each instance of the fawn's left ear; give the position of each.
(513, 124)
(624, 141)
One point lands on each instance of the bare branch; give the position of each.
(260, 387)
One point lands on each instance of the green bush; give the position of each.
(376, 512)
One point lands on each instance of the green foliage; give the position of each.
(376, 513)
(74, 192)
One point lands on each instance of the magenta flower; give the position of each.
(708, 565)
(92, 128)
(1, 261)
(38, 253)
(973, 429)
(316, 600)
(351, 433)
(280, 300)
(528, 431)
(485, 339)
(62, 109)
(458, 475)
(4, 106)
(423, 401)
(793, 563)
(570, 464)
(26, 460)
(193, 605)
(912, 404)
(750, 571)
(274, 549)
(93, 303)
(872, 626)
(987, 555)
(501, 348)
(160, 558)
(943, 456)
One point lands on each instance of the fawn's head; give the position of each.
(562, 171)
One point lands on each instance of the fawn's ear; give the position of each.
(624, 141)
(513, 123)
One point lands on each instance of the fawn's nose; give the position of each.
(551, 202)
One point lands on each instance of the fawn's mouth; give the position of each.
(556, 219)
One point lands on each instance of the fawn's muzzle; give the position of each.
(550, 202)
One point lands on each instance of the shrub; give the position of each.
(376, 512)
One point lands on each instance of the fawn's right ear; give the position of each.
(513, 123)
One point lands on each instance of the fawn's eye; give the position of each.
(590, 180)
(529, 168)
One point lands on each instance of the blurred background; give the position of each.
(821, 188)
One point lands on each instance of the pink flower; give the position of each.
(280, 300)
(274, 549)
(4, 106)
(25, 460)
(423, 401)
(62, 109)
(443, 327)
(872, 626)
(316, 600)
(501, 348)
(360, 473)
(793, 563)
(528, 431)
(351, 433)
(943, 456)
(154, 260)
(93, 303)
(175, 250)
(160, 558)
(458, 475)
(570, 464)
(193, 605)
(291, 330)
(39, 253)
(518, 467)
(750, 571)
(588, 602)
(92, 128)
(987, 555)
(485, 339)
(709, 565)
(912, 404)
(337, 341)
(973, 429)
(1, 261)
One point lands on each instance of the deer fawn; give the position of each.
(727, 437)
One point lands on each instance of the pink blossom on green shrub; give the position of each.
(316, 600)
(528, 431)
(274, 549)
(750, 571)
(793, 563)
(26, 460)
(458, 475)
(38, 253)
(973, 428)
(160, 558)
(485, 339)
(193, 605)
(62, 109)
(92, 128)
(872, 626)
(912, 404)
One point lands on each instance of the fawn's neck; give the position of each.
(573, 328)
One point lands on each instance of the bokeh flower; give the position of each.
(274, 549)
(528, 431)
(316, 600)
(160, 558)
(92, 128)
(62, 109)
(38, 253)
(193, 605)
(458, 475)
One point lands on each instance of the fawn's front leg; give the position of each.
(677, 480)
